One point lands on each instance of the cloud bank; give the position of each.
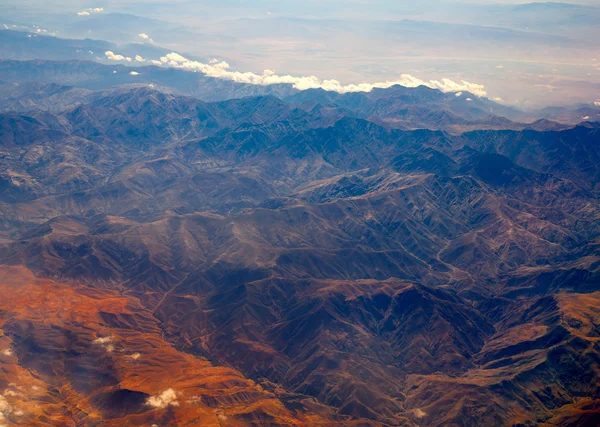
(221, 70)
(161, 401)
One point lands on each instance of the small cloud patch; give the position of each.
(111, 56)
(146, 37)
(88, 12)
(163, 400)
(105, 342)
(419, 413)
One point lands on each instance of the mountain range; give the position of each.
(181, 250)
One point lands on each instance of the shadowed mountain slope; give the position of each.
(308, 265)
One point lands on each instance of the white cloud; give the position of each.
(597, 103)
(113, 57)
(134, 73)
(586, 118)
(161, 401)
(221, 70)
(146, 37)
(138, 58)
(155, 62)
(497, 99)
(105, 342)
(458, 94)
(110, 55)
(88, 12)
(469, 99)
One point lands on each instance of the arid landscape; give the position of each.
(186, 250)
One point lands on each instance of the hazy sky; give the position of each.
(532, 55)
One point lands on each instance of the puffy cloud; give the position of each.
(138, 58)
(161, 401)
(134, 73)
(220, 69)
(146, 37)
(458, 94)
(88, 12)
(105, 342)
(113, 57)
(110, 55)
(155, 62)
